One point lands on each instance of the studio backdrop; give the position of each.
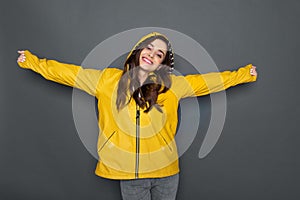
(239, 144)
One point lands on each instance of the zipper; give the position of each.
(137, 140)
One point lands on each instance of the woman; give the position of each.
(138, 112)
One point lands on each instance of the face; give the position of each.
(153, 55)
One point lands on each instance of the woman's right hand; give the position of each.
(22, 57)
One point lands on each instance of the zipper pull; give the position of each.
(137, 111)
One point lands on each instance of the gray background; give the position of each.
(41, 155)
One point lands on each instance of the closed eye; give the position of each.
(149, 47)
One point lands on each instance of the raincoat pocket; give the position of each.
(165, 141)
(103, 145)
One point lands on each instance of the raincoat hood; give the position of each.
(150, 35)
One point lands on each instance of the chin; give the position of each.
(146, 68)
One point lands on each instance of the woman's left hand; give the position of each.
(253, 71)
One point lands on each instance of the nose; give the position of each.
(151, 52)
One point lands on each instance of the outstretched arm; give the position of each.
(203, 84)
(67, 74)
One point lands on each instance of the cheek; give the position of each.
(159, 61)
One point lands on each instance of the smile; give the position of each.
(147, 60)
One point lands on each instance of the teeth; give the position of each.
(147, 61)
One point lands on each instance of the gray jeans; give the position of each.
(150, 188)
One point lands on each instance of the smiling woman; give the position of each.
(152, 56)
(138, 112)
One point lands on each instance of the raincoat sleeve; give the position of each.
(66, 74)
(203, 84)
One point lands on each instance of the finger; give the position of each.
(22, 53)
(253, 68)
(21, 58)
(253, 71)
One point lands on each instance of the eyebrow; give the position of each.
(158, 49)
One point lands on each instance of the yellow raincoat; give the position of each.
(123, 155)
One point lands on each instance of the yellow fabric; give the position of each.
(117, 138)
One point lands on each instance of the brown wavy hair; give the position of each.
(156, 83)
